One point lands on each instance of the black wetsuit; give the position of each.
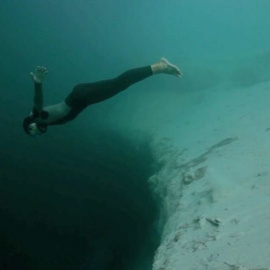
(86, 94)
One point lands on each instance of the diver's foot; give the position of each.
(164, 66)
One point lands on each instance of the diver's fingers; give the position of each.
(42, 70)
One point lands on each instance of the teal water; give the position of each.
(77, 198)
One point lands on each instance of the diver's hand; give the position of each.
(39, 74)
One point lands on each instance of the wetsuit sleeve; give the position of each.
(37, 110)
(38, 98)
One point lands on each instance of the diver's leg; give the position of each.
(90, 93)
(85, 94)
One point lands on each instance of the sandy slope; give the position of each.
(215, 182)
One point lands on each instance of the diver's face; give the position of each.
(34, 130)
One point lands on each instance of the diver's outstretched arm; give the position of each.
(38, 78)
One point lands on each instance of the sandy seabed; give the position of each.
(214, 180)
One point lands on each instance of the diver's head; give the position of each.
(32, 128)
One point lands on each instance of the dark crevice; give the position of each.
(79, 206)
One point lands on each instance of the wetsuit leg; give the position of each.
(89, 93)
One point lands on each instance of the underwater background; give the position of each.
(78, 197)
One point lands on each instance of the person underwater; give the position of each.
(85, 94)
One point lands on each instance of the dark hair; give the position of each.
(28, 121)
